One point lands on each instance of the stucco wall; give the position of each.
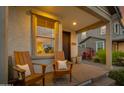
(3, 45)
(19, 33)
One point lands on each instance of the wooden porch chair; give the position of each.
(22, 58)
(59, 73)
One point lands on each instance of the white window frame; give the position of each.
(103, 30)
(116, 29)
(83, 35)
(84, 45)
(97, 45)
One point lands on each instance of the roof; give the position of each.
(111, 9)
(89, 38)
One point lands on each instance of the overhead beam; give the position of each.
(92, 26)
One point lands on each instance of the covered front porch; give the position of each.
(82, 75)
(18, 33)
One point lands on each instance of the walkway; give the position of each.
(89, 62)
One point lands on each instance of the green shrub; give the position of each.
(115, 56)
(96, 59)
(101, 55)
(117, 75)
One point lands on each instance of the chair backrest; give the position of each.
(60, 55)
(22, 58)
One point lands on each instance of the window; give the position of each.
(45, 40)
(43, 36)
(83, 35)
(103, 30)
(116, 29)
(99, 45)
(84, 45)
(123, 32)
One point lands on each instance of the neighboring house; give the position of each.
(95, 39)
(94, 43)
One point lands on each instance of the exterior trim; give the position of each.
(44, 14)
(89, 38)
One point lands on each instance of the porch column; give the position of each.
(3, 45)
(109, 45)
(74, 44)
(56, 37)
(60, 38)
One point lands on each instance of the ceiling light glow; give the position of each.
(74, 23)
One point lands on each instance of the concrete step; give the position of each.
(100, 77)
(85, 83)
(102, 80)
(105, 81)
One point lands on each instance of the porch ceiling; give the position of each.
(70, 14)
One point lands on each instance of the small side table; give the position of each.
(76, 60)
(79, 59)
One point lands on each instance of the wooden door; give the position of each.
(66, 44)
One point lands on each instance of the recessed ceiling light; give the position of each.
(74, 23)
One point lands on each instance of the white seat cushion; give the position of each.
(26, 68)
(62, 65)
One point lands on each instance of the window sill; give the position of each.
(46, 56)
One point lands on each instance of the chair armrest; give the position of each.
(68, 62)
(18, 69)
(70, 65)
(21, 72)
(43, 67)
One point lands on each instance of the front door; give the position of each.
(66, 44)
